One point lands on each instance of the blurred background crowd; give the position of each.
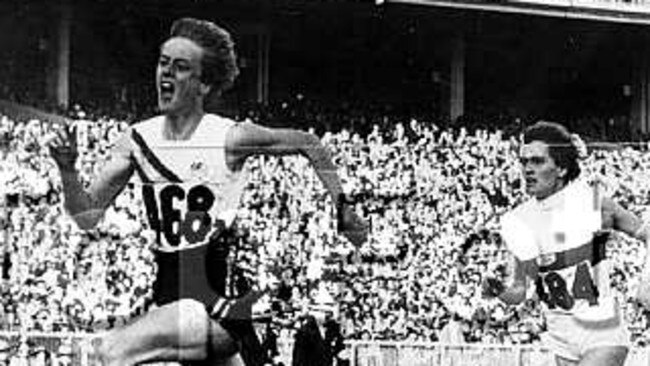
(427, 189)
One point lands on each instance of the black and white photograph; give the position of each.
(325, 182)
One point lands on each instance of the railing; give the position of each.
(624, 6)
(378, 353)
(76, 349)
(619, 11)
(52, 348)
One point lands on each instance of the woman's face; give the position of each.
(542, 175)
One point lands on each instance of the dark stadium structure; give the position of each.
(449, 59)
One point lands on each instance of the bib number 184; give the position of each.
(558, 294)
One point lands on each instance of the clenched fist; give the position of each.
(352, 226)
(63, 146)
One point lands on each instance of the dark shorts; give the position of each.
(200, 273)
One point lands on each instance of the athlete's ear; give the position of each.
(205, 89)
(562, 172)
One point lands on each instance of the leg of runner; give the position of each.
(235, 360)
(177, 331)
(605, 356)
(561, 361)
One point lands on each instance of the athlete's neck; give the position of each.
(557, 187)
(181, 126)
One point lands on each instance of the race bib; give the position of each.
(181, 215)
(574, 290)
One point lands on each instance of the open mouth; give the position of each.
(530, 182)
(166, 90)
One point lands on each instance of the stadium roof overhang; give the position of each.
(594, 10)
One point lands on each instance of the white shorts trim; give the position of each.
(571, 338)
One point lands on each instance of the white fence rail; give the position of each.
(76, 349)
(428, 354)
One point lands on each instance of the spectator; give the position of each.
(452, 333)
(309, 348)
(334, 340)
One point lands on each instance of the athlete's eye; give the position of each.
(163, 61)
(183, 67)
(535, 160)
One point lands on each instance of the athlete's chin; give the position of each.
(540, 194)
(533, 189)
(530, 190)
(165, 107)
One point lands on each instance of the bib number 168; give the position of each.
(166, 219)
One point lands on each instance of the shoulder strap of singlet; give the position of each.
(153, 159)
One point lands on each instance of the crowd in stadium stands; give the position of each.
(427, 191)
(326, 115)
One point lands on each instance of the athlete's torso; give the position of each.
(564, 236)
(188, 189)
(191, 197)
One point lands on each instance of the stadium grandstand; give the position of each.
(421, 102)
